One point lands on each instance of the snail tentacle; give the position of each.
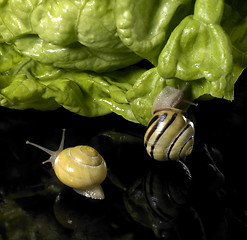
(53, 154)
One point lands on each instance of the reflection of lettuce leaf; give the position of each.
(81, 54)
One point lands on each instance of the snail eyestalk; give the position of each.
(190, 103)
(53, 154)
(61, 146)
(50, 152)
(181, 93)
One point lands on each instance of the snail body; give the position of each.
(170, 134)
(81, 168)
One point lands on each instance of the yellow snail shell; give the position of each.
(81, 168)
(170, 134)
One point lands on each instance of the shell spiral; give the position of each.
(80, 167)
(169, 135)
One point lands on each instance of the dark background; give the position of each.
(35, 205)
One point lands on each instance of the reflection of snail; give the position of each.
(169, 135)
(80, 167)
(73, 212)
(203, 164)
(157, 199)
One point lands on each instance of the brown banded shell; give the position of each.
(170, 135)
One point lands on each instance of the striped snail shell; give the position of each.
(170, 134)
(81, 168)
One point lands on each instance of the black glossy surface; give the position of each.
(35, 205)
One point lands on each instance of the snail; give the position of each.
(81, 168)
(170, 134)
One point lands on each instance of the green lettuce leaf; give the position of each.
(199, 49)
(234, 22)
(68, 34)
(29, 84)
(144, 26)
(74, 56)
(97, 57)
